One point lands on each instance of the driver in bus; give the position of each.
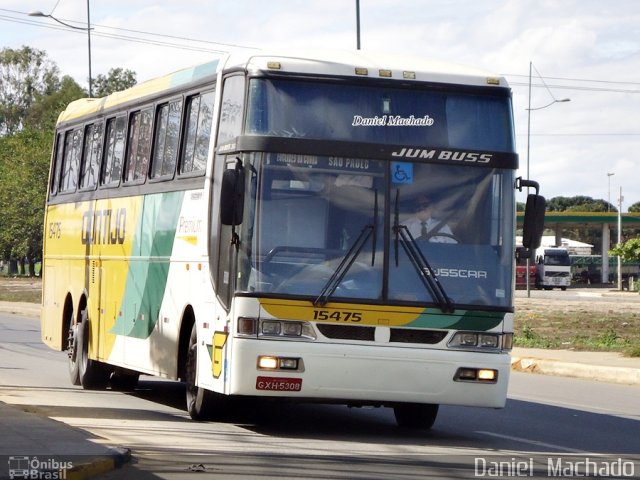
(424, 227)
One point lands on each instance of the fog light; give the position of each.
(467, 374)
(487, 375)
(267, 363)
(289, 363)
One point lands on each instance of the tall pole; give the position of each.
(357, 24)
(89, 46)
(620, 238)
(528, 147)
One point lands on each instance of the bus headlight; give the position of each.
(280, 329)
(288, 329)
(478, 340)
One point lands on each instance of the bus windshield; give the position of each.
(379, 114)
(344, 228)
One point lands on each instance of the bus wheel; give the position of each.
(93, 375)
(200, 402)
(72, 351)
(415, 415)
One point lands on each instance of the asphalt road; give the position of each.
(550, 425)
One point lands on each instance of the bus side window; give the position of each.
(167, 136)
(231, 109)
(71, 161)
(114, 151)
(92, 153)
(138, 146)
(197, 133)
(55, 182)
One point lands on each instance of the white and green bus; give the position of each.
(255, 227)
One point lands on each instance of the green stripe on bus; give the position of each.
(147, 276)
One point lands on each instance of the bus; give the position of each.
(242, 226)
(553, 268)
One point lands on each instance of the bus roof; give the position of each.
(362, 64)
(344, 63)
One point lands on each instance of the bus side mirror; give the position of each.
(533, 224)
(232, 196)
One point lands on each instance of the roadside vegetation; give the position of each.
(612, 326)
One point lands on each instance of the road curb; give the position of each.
(623, 375)
(116, 458)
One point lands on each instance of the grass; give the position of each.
(578, 327)
(20, 289)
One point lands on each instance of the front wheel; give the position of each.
(415, 415)
(202, 404)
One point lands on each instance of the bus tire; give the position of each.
(72, 351)
(93, 375)
(202, 404)
(415, 415)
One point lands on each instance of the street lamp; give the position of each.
(609, 175)
(38, 13)
(529, 109)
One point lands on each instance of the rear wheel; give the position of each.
(415, 415)
(93, 375)
(72, 351)
(202, 404)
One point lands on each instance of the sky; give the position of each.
(585, 50)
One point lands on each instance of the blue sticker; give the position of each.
(401, 172)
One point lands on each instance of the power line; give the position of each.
(12, 19)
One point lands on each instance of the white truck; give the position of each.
(553, 268)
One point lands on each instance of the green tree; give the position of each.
(25, 74)
(44, 111)
(579, 203)
(24, 168)
(629, 250)
(117, 79)
(635, 208)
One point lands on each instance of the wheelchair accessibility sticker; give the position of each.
(401, 172)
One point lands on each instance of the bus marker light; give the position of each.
(385, 73)
(362, 71)
(493, 81)
(274, 65)
(247, 326)
(409, 75)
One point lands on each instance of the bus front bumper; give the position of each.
(367, 374)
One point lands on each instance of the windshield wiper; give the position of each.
(427, 275)
(344, 266)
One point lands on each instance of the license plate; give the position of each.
(279, 384)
